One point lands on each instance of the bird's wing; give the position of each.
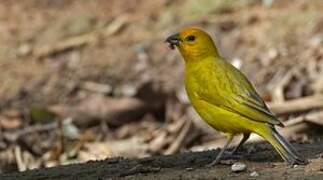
(246, 107)
(252, 107)
(242, 99)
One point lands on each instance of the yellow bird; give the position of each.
(224, 97)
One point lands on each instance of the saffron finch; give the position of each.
(224, 97)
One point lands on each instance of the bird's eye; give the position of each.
(190, 38)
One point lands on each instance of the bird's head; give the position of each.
(193, 43)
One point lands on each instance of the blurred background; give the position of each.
(87, 80)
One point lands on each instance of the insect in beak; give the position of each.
(173, 40)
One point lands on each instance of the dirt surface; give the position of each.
(187, 166)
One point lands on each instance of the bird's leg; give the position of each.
(218, 157)
(243, 140)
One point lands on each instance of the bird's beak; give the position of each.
(173, 40)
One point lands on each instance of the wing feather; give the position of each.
(241, 98)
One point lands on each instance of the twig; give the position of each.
(21, 165)
(313, 117)
(159, 142)
(300, 104)
(61, 146)
(294, 121)
(96, 87)
(97, 108)
(277, 84)
(81, 40)
(175, 146)
(316, 118)
(13, 136)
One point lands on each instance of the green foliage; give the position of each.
(41, 115)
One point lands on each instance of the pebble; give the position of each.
(254, 174)
(238, 167)
(24, 49)
(189, 169)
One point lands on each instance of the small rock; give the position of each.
(69, 129)
(189, 169)
(24, 50)
(316, 41)
(238, 167)
(126, 90)
(254, 174)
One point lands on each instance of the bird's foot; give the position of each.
(226, 159)
(213, 163)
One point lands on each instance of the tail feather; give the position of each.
(284, 148)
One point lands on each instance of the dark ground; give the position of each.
(186, 166)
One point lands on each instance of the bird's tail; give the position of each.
(283, 147)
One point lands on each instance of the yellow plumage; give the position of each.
(223, 96)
